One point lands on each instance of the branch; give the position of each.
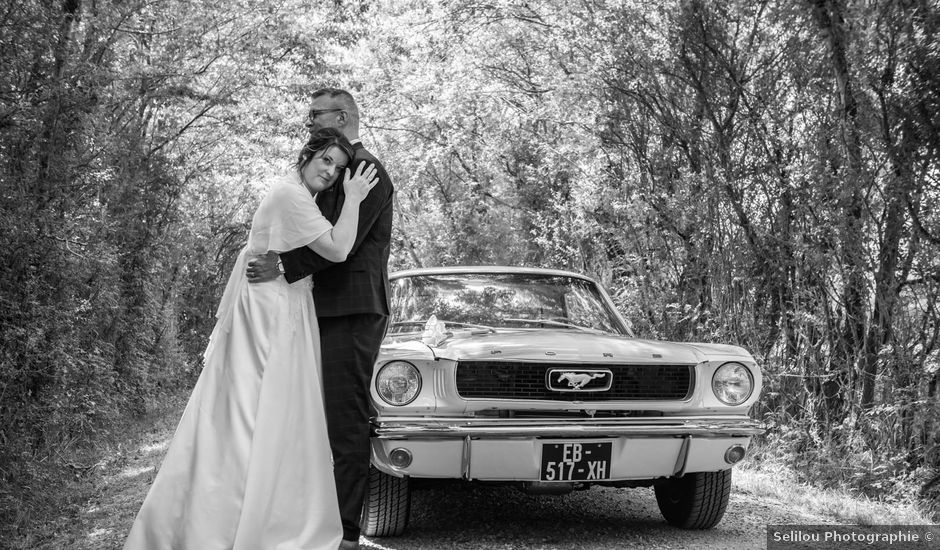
(146, 33)
(919, 225)
(425, 137)
(183, 129)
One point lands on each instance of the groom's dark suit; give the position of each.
(351, 300)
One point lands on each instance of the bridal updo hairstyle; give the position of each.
(320, 141)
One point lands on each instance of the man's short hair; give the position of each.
(334, 93)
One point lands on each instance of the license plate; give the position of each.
(575, 461)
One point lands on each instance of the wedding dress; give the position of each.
(249, 467)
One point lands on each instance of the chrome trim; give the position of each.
(378, 374)
(683, 457)
(571, 396)
(574, 370)
(750, 376)
(459, 270)
(566, 405)
(732, 448)
(465, 466)
(442, 428)
(439, 384)
(477, 269)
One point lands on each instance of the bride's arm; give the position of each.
(334, 245)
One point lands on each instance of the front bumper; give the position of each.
(493, 449)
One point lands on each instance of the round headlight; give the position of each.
(398, 383)
(732, 383)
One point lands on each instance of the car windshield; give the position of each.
(500, 300)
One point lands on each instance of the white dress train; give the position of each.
(249, 467)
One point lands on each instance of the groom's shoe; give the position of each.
(349, 545)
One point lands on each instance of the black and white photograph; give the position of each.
(469, 274)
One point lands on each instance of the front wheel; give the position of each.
(387, 505)
(695, 501)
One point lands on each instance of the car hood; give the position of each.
(563, 346)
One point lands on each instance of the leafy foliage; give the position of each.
(756, 173)
(749, 172)
(134, 140)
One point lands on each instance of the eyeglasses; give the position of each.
(314, 113)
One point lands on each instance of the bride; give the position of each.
(249, 467)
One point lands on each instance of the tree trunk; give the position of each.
(830, 16)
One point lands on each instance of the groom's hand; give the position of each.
(263, 268)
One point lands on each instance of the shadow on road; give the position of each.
(502, 517)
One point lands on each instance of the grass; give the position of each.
(778, 483)
(87, 499)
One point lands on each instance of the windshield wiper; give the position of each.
(467, 325)
(553, 322)
(421, 324)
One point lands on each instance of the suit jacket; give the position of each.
(360, 284)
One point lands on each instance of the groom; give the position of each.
(351, 300)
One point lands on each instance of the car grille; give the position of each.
(505, 380)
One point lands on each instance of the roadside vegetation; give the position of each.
(839, 504)
(757, 173)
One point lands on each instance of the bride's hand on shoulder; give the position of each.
(358, 186)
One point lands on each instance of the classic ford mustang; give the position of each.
(532, 377)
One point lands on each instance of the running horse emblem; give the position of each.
(578, 380)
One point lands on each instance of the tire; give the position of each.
(695, 501)
(387, 505)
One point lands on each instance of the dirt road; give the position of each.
(487, 518)
(464, 517)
